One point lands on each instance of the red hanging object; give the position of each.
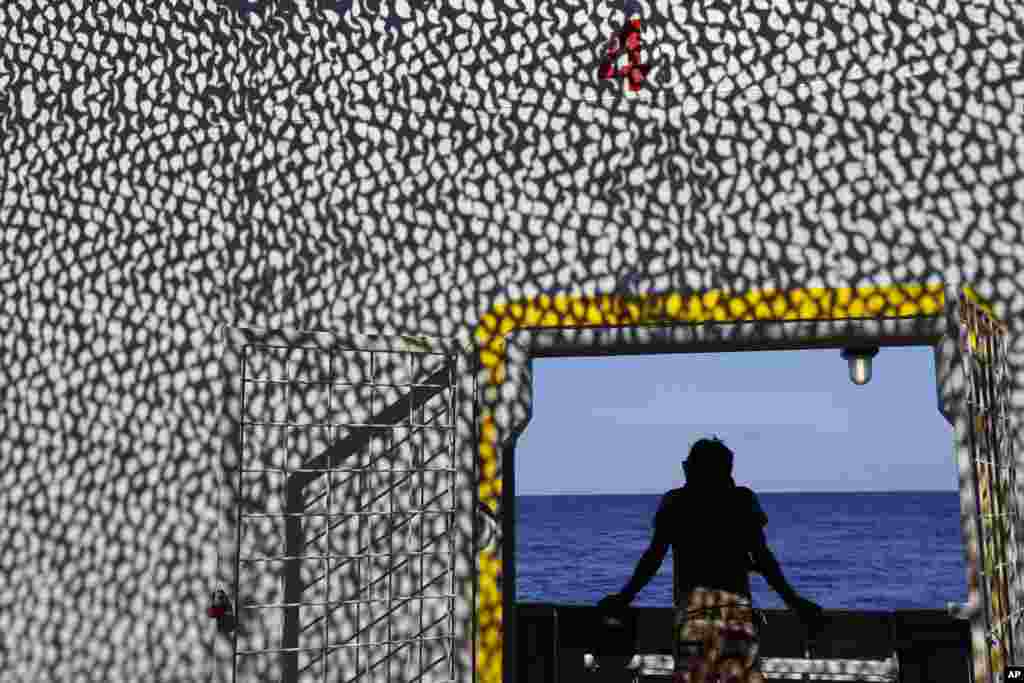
(634, 72)
(220, 606)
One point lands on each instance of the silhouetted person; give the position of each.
(716, 530)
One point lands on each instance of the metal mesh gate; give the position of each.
(986, 368)
(345, 514)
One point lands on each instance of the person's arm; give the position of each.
(768, 567)
(810, 613)
(646, 568)
(649, 562)
(763, 560)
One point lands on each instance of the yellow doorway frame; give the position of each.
(505, 392)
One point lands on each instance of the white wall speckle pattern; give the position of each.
(171, 167)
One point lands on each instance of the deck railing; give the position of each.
(557, 644)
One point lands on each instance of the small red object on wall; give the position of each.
(220, 610)
(220, 605)
(628, 40)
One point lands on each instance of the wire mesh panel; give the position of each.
(986, 368)
(345, 514)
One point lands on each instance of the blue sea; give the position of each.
(870, 551)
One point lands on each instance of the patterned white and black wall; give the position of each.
(171, 167)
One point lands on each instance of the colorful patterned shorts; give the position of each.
(716, 640)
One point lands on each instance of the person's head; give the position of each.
(710, 462)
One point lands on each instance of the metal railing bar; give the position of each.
(340, 385)
(405, 598)
(356, 438)
(415, 639)
(391, 553)
(361, 471)
(409, 556)
(414, 429)
(413, 512)
(391, 529)
(360, 437)
(290, 618)
(426, 585)
(359, 571)
(425, 669)
(282, 470)
(386, 492)
(339, 647)
(238, 527)
(279, 558)
(346, 349)
(380, 426)
(418, 455)
(432, 581)
(455, 397)
(433, 423)
(969, 316)
(339, 603)
(448, 533)
(327, 563)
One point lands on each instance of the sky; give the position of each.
(793, 419)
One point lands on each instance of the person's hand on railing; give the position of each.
(614, 602)
(810, 614)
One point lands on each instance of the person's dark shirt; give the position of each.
(711, 534)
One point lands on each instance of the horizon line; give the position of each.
(761, 492)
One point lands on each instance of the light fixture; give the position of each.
(859, 358)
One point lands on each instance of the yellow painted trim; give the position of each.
(604, 310)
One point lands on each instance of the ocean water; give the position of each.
(870, 551)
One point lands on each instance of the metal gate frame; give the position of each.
(972, 393)
(400, 405)
(910, 314)
(986, 438)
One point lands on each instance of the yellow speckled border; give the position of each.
(607, 310)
